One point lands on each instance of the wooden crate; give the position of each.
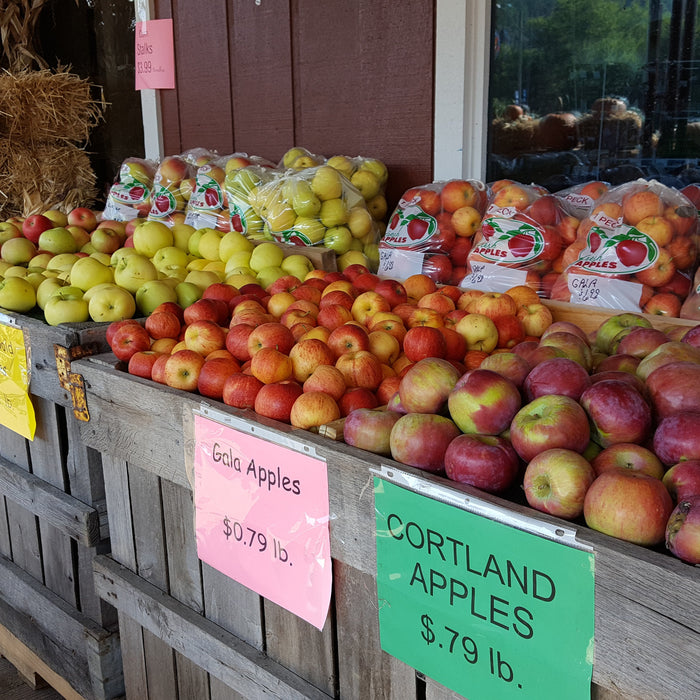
(53, 522)
(185, 626)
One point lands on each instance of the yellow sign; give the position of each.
(16, 410)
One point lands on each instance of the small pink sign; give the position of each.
(261, 515)
(154, 55)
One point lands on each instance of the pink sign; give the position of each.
(155, 56)
(261, 514)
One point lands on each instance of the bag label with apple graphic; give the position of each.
(410, 227)
(504, 239)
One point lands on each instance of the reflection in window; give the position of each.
(594, 89)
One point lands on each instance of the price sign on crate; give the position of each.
(484, 608)
(16, 409)
(261, 515)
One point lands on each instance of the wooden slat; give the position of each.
(72, 517)
(211, 647)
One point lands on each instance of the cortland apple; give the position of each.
(356, 397)
(370, 430)
(275, 400)
(617, 413)
(629, 505)
(421, 440)
(559, 375)
(639, 342)
(571, 345)
(683, 530)
(683, 480)
(313, 409)
(618, 362)
(509, 365)
(628, 455)
(427, 384)
(487, 462)
(672, 351)
(549, 422)
(483, 402)
(556, 482)
(611, 328)
(677, 438)
(674, 387)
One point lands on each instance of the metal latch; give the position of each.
(71, 381)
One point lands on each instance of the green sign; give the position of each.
(488, 610)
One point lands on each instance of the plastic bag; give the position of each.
(431, 230)
(299, 158)
(521, 239)
(637, 251)
(174, 183)
(578, 200)
(238, 185)
(208, 205)
(130, 194)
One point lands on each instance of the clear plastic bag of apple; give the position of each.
(315, 206)
(579, 199)
(431, 229)
(521, 238)
(208, 205)
(637, 251)
(174, 183)
(130, 194)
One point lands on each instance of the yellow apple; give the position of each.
(234, 242)
(209, 243)
(152, 293)
(240, 258)
(181, 236)
(176, 272)
(280, 216)
(377, 168)
(17, 251)
(133, 270)
(359, 222)
(62, 262)
(117, 255)
(303, 200)
(111, 303)
(16, 271)
(267, 275)
(17, 294)
(66, 305)
(187, 293)
(238, 279)
(338, 238)
(352, 257)
(57, 216)
(202, 278)
(377, 206)
(333, 213)
(151, 236)
(47, 288)
(104, 258)
(297, 265)
(367, 183)
(327, 183)
(266, 254)
(310, 229)
(170, 256)
(87, 272)
(292, 154)
(342, 164)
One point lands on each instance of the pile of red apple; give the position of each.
(481, 387)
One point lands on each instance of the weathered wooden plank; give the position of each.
(69, 515)
(222, 654)
(74, 646)
(364, 670)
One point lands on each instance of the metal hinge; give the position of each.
(71, 381)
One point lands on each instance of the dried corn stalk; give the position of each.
(18, 20)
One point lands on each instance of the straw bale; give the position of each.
(44, 176)
(37, 106)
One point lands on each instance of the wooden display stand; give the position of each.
(189, 631)
(54, 523)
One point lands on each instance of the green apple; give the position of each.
(193, 242)
(87, 272)
(57, 216)
(267, 275)
(17, 251)
(297, 265)
(16, 271)
(151, 294)
(338, 238)
(151, 236)
(265, 254)
(187, 293)
(111, 303)
(101, 257)
(17, 294)
(40, 260)
(7, 231)
(133, 270)
(209, 243)
(327, 183)
(181, 236)
(88, 248)
(62, 262)
(333, 213)
(170, 256)
(234, 242)
(66, 305)
(304, 201)
(312, 230)
(47, 288)
(202, 278)
(238, 259)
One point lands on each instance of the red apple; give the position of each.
(629, 505)
(683, 530)
(270, 335)
(421, 440)
(237, 341)
(182, 369)
(313, 409)
(240, 390)
(427, 384)
(548, 422)
(672, 351)
(83, 217)
(337, 296)
(571, 345)
(677, 438)
(360, 368)
(220, 290)
(617, 413)
(326, 378)
(370, 429)
(34, 225)
(270, 365)
(621, 376)
(204, 337)
(683, 479)
(162, 324)
(128, 339)
(558, 375)
(308, 354)
(639, 342)
(114, 326)
(509, 365)
(493, 304)
(556, 482)
(357, 397)
(275, 400)
(207, 309)
(213, 376)
(141, 363)
(674, 387)
(483, 402)
(392, 290)
(618, 362)
(487, 462)
(628, 455)
(424, 341)
(349, 337)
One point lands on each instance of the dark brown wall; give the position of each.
(334, 76)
